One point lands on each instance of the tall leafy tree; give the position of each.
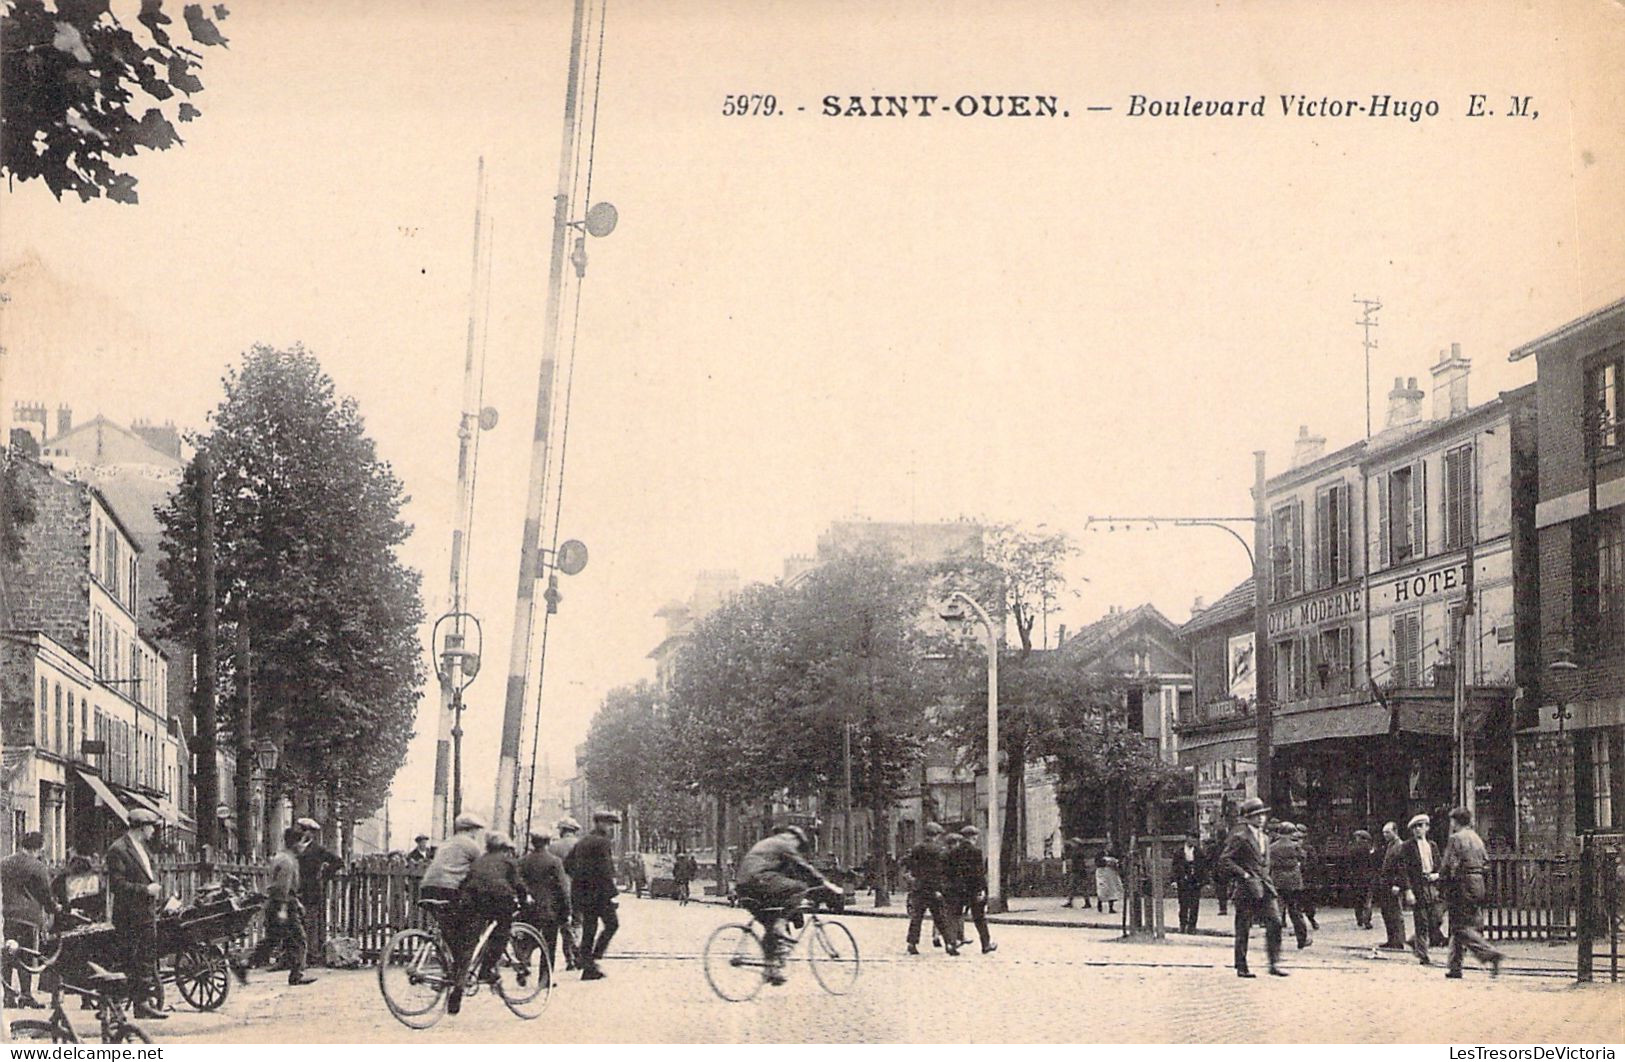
(85, 89)
(307, 521)
(1020, 575)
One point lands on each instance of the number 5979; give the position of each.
(756, 104)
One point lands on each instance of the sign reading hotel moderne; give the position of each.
(1317, 610)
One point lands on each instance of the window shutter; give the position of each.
(1298, 558)
(1419, 509)
(1383, 555)
(1344, 534)
(1322, 541)
(1616, 777)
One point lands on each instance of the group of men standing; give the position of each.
(948, 878)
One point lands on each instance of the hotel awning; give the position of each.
(105, 795)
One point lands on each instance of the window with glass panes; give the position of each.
(1598, 558)
(1332, 539)
(1599, 778)
(1605, 397)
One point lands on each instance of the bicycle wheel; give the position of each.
(201, 976)
(32, 1029)
(832, 952)
(524, 977)
(413, 976)
(736, 962)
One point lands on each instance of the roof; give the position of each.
(1237, 603)
(1094, 639)
(152, 456)
(1600, 316)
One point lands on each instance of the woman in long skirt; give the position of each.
(1108, 882)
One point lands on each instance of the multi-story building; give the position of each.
(1571, 737)
(83, 688)
(1217, 725)
(1389, 577)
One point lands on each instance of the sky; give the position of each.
(802, 318)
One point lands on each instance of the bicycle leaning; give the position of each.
(736, 956)
(108, 989)
(415, 971)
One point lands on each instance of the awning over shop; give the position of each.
(1406, 712)
(154, 806)
(105, 795)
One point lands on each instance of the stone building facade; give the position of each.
(82, 688)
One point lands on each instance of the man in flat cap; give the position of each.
(284, 914)
(443, 881)
(591, 866)
(965, 872)
(316, 865)
(1419, 863)
(1189, 871)
(925, 872)
(421, 852)
(1464, 865)
(570, 929)
(1246, 864)
(133, 882)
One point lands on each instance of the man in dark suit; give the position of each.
(133, 882)
(1419, 862)
(1190, 873)
(924, 864)
(28, 903)
(1363, 864)
(1246, 863)
(548, 889)
(1390, 883)
(591, 866)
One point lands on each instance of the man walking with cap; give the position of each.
(421, 852)
(1464, 864)
(569, 833)
(1246, 863)
(591, 866)
(1419, 863)
(133, 882)
(1365, 863)
(25, 886)
(924, 866)
(548, 889)
(966, 888)
(284, 919)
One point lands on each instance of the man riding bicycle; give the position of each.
(773, 878)
(459, 922)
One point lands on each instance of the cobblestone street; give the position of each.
(1044, 984)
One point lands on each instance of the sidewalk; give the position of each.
(1338, 937)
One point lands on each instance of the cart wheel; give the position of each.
(202, 977)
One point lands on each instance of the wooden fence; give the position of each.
(1530, 897)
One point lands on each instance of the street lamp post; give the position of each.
(456, 665)
(953, 613)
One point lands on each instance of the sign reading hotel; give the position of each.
(1317, 610)
(1409, 588)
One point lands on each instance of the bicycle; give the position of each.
(108, 988)
(415, 971)
(736, 963)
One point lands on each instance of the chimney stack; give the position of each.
(1307, 448)
(1060, 636)
(1198, 605)
(1450, 383)
(64, 419)
(1404, 403)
